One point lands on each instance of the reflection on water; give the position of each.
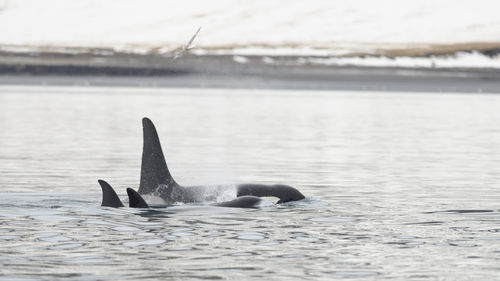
(399, 186)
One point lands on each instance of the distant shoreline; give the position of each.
(228, 71)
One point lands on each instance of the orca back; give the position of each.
(241, 202)
(285, 193)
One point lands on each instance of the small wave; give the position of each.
(459, 212)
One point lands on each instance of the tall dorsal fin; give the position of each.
(135, 200)
(154, 170)
(109, 197)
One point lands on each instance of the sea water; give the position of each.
(400, 186)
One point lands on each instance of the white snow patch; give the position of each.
(240, 59)
(242, 28)
(147, 24)
(464, 60)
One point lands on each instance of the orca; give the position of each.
(111, 199)
(157, 180)
(135, 200)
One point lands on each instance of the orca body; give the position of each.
(111, 199)
(157, 180)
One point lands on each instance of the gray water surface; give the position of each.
(399, 186)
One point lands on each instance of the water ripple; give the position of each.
(144, 242)
(251, 236)
(398, 186)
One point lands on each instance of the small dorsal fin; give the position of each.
(154, 170)
(135, 200)
(109, 197)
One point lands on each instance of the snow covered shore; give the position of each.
(455, 33)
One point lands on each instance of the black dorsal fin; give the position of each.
(154, 170)
(109, 197)
(135, 200)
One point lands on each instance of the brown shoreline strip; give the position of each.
(224, 71)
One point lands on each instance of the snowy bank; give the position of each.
(347, 30)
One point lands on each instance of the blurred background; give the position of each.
(443, 33)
